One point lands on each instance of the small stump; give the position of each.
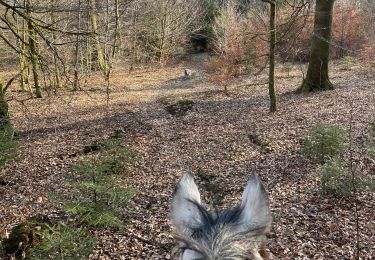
(24, 235)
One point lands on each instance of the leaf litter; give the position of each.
(219, 140)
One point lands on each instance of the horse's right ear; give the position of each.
(185, 213)
(255, 207)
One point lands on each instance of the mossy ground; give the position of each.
(180, 108)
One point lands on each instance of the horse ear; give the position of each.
(255, 212)
(185, 213)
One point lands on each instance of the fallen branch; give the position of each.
(252, 84)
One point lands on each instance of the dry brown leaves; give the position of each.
(212, 139)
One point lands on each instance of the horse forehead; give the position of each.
(225, 217)
(219, 226)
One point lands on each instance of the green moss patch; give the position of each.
(180, 108)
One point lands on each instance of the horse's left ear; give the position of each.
(185, 213)
(255, 211)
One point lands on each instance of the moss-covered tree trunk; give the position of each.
(271, 84)
(4, 113)
(33, 51)
(317, 73)
(94, 26)
(57, 79)
(24, 76)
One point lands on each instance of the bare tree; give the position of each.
(21, 45)
(317, 77)
(272, 40)
(33, 49)
(77, 49)
(94, 26)
(34, 37)
(56, 69)
(163, 27)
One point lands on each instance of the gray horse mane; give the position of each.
(236, 233)
(217, 238)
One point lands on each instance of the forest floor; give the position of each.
(213, 141)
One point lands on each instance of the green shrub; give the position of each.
(100, 194)
(64, 242)
(288, 67)
(325, 141)
(347, 62)
(8, 144)
(4, 108)
(101, 201)
(336, 179)
(371, 147)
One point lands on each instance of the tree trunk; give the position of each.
(271, 79)
(4, 116)
(317, 74)
(88, 51)
(24, 77)
(133, 43)
(117, 31)
(57, 80)
(76, 51)
(94, 25)
(118, 36)
(162, 58)
(33, 51)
